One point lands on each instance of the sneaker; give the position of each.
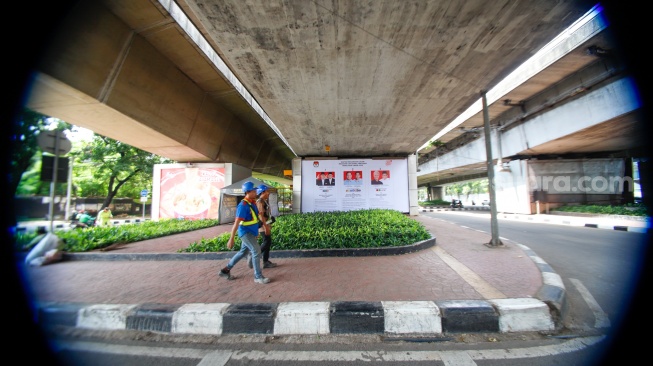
(249, 260)
(262, 280)
(269, 264)
(226, 275)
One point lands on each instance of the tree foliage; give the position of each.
(467, 188)
(27, 127)
(112, 164)
(102, 167)
(25, 151)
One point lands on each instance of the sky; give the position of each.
(80, 134)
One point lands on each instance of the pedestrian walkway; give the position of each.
(452, 283)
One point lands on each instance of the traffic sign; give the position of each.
(48, 141)
(144, 193)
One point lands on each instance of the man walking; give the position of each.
(246, 225)
(265, 229)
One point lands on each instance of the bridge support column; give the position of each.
(436, 193)
(297, 185)
(412, 185)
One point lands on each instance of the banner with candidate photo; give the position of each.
(354, 184)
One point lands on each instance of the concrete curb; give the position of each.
(467, 208)
(308, 253)
(597, 222)
(552, 292)
(641, 226)
(407, 318)
(416, 318)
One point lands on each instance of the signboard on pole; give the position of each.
(48, 141)
(144, 199)
(47, 167)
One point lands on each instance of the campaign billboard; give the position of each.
(354, 184)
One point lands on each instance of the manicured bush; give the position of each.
(97, 237)
(629, 209)
(329, 230)
(434, 203)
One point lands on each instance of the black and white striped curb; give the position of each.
(32, 226)
(635, 224)
(466, 208)
(552, 292)
(591, 222)
(421, 318)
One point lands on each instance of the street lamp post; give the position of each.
(494, 224)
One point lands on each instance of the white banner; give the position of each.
(354, 184)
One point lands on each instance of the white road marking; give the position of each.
(217, 358)
(479, 284)
(601, 318)
(450, 358)
(457, 358)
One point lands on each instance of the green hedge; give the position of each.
(629, 209)
(97, 237)
(330, 230)
(320, 230)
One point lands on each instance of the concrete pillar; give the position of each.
(412, 185)
(296, 185)
(437, 193)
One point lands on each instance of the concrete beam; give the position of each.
(608, 102)
(104, 74)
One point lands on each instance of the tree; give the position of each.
(31, 183)
(474, 187)
(454, 189)
(25, 149)
(27, 127)
(114, 164)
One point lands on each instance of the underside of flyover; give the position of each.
(258, 83)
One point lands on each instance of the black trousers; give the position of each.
(265, 246)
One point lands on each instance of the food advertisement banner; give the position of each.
(354, 184)
(187, 192)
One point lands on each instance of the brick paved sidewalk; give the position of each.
(459, 267)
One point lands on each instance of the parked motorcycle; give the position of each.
(75, 222)
(456, 204)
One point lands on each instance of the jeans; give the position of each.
(265, 246)
(249, 243)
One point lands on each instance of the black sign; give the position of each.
(47, 167)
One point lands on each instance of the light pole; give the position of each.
(494, 224)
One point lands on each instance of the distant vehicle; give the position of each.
(485, 203)
(456, 204)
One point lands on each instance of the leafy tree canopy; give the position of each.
(112, 164)
(102, 167)
(27, 127)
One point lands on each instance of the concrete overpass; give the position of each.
(259, 83)
(591, 111)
